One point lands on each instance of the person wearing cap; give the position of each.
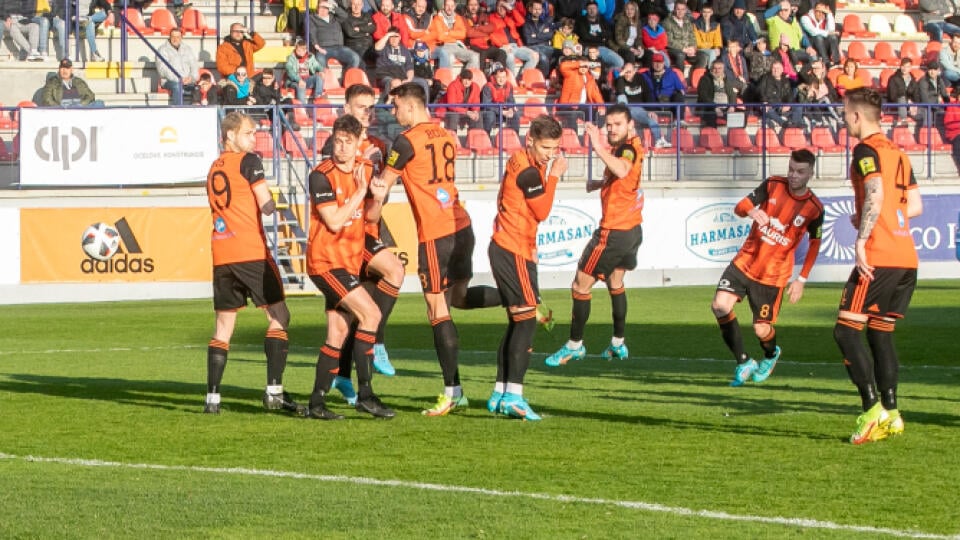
(461, 91)
(237, 50)
(66, 90)
(182, 61)
(821, 29)
(595, 30)
(681, 38)
(537, 32)
(667, 86)
(933, 15)
(449, 30)
(498, 90)
(326, 35)
(736, 26)
(931, 89)
(785, 23)
(303, 71)
(949, 58)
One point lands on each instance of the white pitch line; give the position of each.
(414, 352)
(572, 499)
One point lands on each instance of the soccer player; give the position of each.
(242, 265)
(342, 200)
(613, 249)
(525, 199)
(382, 271)
(879, 288)
(782, 210)
(423, 158)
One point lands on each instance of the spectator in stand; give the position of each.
(422, 67)
(537, 31)
(736, 66)
(568, 9)
(326, 36)
(951, 128)
(564, 33)
(395, 61)
(49, 17)
(266, 91)
(709, 37)
(237, 50)
(461, 91)
(303, 71)
(816, 88)
(506, 22)
(183, 61)
(601, 73)
(498, 90)
(737, 27)
(419, 18)
(789, 57)
(784, 23)
(450, 30)
(933, 15)
(17, 18)
(386, 127)
(358, 28)
(821, 29)
(296, 11)
(386, 18)
(775, 93)
(238, 88)
(96, 14)
(715, 88)
(722, 8)
(931, 89)
(627, 26)
(681, 39)
(206, 93)
(479, 30)
(578, 88)
(901, 88)
(654, 40)
(632, 90)
(848, 80)
(595, 30)
(666, 85)
(950, 60)
(759, 58)
(65, 90)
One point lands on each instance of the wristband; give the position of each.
(801, 279)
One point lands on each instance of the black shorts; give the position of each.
(445, 260)
(888, 295)
(516, 277)
(335, 285)
(371, 246)
(235, 282)
(765, 300)
(609, 250)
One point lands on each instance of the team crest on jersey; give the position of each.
(867, 165)
(798, 221)
(628, 153)
(392, 158)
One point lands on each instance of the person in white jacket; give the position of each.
(821, 29)
(182, 58)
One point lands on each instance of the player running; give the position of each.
(525, 199)
(782, 210)
(242, 265)
(342, 200)
(879, 288)
(613, 249)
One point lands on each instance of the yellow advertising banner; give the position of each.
(402, 230)
(131, 245)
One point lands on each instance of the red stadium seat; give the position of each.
(740, 140)
(532, 108)
(478, 140)
(445, 75)
(301, 116)
(910, 49)
(687, 144)
(195, 23)
(264, 144)
(865, 77)
(844, 139)
(853, 27)
(162, 21)
(326, 115)
(695, 75)
(770, 142)
(509, 141)
(858, 51)
(883, 52)
(932, 51)
(461, 151)
(135, 19)
(570, 142)
(532, 79)
(903, 137)
(931, 137)
(794, 139)
(711, 139)
(354, 76)
(331, 85)
(822, 138)
(885, 77)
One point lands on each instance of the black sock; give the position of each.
(216, 363)
(275, 346)
(447, 343)
(385, 296)
(363, 358)
(885, 362)
(326, 370)
(730, 330)
(855, 358)
(482, 296)
(581, 313)
(518, 350)
(769, 343)
(346, 352)
(618, 301)
(502, 359)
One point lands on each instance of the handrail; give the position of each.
(156, 53)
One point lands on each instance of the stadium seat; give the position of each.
(879, 24)
(833, 74)
(263, 145)
(865, 77)
(844, 139)
(135, 19)
(770, 142)
(479, 77)
(193, 22)
(794, 138)
(354, 76)
(461, 151)
(695, 75)
(320, 137)
(910, 49)
(478, 140)
(162, 21)
(570, 142)
(740, 140)
(930, 137)
(6, 122)
(532, 79)
(532, 108)
(853, 27)
(885, 77)
(904, 25)
(858, 51)
(300, 115)
(445, 75)
(326, 115)
(687, 143)
(509, 141)
(932, 51)
(903, 136)
(822, 138)
(331, 84)
(883, 53)
(294, 144)
(711, 139)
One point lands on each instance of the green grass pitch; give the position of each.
(101, 434)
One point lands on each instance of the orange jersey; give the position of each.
(525, 199)
(890, 244)
(767, 254)
(326, 249)
(622, 198)
(424, 157)
(237, 234)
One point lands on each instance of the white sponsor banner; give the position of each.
(96, 147)
(10, 245)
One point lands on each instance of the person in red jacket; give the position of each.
(387, 17)
(461, 91)
(507, 22)
(498, 90)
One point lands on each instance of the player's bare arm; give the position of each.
(757, 214)
(869, 214)
(914, 203)
(618, 167)
(378, 191)
(264, 199)
(336, 217)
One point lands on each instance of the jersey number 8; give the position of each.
(445, 161)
